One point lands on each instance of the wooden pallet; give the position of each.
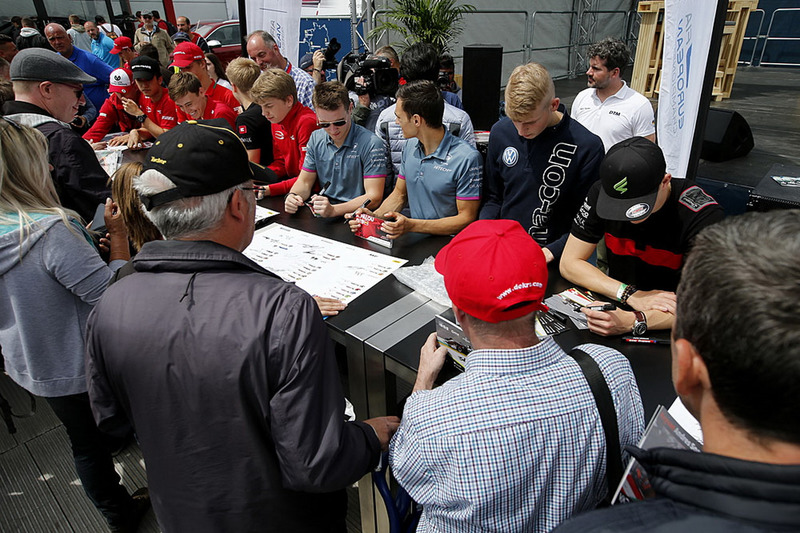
(646, 76)
(732, 37)
(647, 63)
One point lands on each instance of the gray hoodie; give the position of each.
(80, 38)
(48, 285)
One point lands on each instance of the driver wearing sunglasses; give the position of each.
(343, 159)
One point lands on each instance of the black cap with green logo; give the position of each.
(630, 176)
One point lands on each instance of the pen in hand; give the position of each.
(364, 205)
(310, 202)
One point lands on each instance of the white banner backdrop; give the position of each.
(688, 25)
(280, 18)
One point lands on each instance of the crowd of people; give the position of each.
(159, 327)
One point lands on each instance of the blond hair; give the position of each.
(140, 229)
(273, 83)
(26, 187)
(528, 87)
(243, 73)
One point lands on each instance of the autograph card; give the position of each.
(370, 229)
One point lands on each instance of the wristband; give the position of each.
(621, 291)
(627, 293)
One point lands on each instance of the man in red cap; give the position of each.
(155, 112)
(120, 85)
(123, 46)
(516, 442)
(190, 58)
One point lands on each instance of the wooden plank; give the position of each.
(26, 500)
(27, 428)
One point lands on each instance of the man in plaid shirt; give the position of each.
(516, 442)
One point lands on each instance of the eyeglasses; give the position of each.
(338, 124)
(259, 192)
(77, 90)
(146, 17)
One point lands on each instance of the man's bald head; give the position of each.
(59, 39)
(91, 29)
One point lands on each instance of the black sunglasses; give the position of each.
(77, 90)
(338, 124)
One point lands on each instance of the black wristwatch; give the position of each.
(141, 118)
(639, 324)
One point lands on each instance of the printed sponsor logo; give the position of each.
(622, 185)
(510, 156)
(242, 129)
(636, 211)
(278, 135)
(518, 286)
(553, 178)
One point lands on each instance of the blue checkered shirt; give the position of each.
(515, 443)
(304, 84)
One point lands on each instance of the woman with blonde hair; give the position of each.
(140, 229)
(50, 277)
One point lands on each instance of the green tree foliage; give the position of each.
(436, 22)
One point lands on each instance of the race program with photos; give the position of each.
(319, 266)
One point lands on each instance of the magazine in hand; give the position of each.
(663, 431)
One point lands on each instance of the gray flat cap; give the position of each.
(38, 64)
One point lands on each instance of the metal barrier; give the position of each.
(769, 37)
(529, 27)
(755, 37)
(580, 59)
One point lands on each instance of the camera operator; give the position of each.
(372, 82)
(447, 73)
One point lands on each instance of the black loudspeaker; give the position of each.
(727, 136)
(483, 67)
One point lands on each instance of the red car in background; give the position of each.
(223, 38)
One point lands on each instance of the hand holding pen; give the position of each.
(320, 199)
(350, 216)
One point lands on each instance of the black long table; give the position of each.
(382, 332)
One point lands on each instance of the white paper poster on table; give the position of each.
(688, 25)
(320, 266)
(279, 18)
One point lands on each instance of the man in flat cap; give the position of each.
(48, 91)
(516, 442)
(648, 220)
(225, 372)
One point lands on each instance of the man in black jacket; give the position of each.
(48, 91)
(225, 371)
(735, 365)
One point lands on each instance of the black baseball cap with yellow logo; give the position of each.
(630, 176)
(201, 158)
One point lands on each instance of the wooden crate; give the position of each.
(646, 75)
(732, 37)
(647, 63)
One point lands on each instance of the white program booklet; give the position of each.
(320, 266)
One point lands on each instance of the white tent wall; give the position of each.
(552, 32)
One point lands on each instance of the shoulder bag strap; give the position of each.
(608, 417)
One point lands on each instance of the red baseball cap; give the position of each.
(493, 270)
(121, 81)
(120, 44)
(185, 54)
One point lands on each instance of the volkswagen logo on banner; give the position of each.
(510, 156)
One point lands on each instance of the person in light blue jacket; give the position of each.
(50, 277)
